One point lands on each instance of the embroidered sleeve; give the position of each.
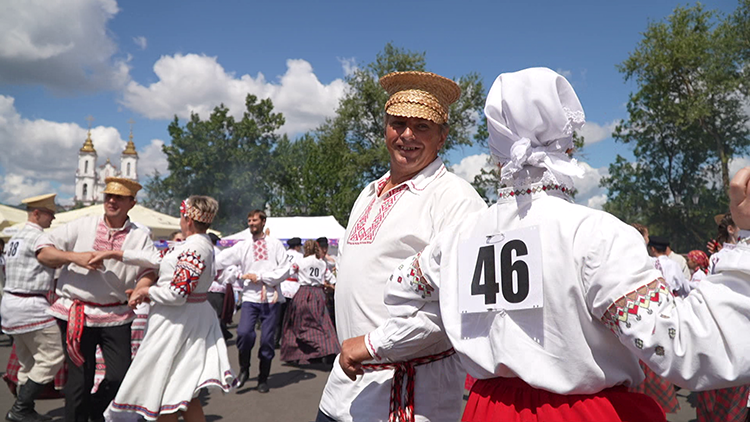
(411, 295)
(690, 341)
(410, 272)
(188, 270)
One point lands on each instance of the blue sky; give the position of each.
(62, 61)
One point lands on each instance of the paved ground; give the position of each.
(294, 395)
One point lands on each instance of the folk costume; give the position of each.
(308, 329)
(92, 309)
(36, 338)
(724, 404)
(289, 287)
(184, 349)
(265, 257)
(384, 228)
(551, 304)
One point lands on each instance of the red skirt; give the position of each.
(659, 389)
(512, 400)
(724, 405)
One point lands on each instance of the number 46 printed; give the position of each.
(501, 272)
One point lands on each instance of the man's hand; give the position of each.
(100, 256)
(84, 259)
(739, 199)
(252, 277)
(353, 353)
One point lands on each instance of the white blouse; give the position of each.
(312, 271)
(603, 305)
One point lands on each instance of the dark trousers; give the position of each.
(80, 404)
(280, 324)
(217, 302)
(268, 314)
(322, 417)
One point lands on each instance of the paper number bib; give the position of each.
(501, 271)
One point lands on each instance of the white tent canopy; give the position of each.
(10, 216)
(285, 228)
(161, 225)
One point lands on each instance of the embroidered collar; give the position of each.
(125, 226)
(545, 184)
(419, 182)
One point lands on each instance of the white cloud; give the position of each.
(141, 42)
(14, 188)
(64, 45)
(597, 202)
(349, 65)
(470, 166)
(593, 132)
(588, 190)
(736, 164)
(41, 156)
(565, 73)
(198, 83)
(152, 158)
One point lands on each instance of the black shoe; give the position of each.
(242, 379)
(262, 387)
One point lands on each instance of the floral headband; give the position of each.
(195, 214)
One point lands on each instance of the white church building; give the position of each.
(90, 178)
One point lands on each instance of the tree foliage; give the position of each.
(686, 122)
(221, 157)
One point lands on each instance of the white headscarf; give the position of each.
(531, 116)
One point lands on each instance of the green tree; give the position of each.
(686, 122)
(332, 164)
(221, 157)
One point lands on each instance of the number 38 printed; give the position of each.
(501, 275)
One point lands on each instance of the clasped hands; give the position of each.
(252, 277)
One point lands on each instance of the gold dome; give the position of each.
(130, 149)
(88, 145)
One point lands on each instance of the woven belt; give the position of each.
(76, 322)
(404, 411)
(197, 297)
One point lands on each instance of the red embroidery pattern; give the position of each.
(364, 234)
(414, 275)
(260, 250)
(188, 270)
(106, 242)
(629, 308)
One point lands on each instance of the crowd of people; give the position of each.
(557, 312)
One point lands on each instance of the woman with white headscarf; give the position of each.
(551, 304)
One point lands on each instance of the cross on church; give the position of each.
(90, 118)
(131, 122)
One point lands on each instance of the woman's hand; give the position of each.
(137, 296)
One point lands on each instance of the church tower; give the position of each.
(129, 158)
(86, 172)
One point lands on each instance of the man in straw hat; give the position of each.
(92, 308)
(24, 310)
(394, 217)
(551, 304)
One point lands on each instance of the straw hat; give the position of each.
(420, 94)
(121, 186)
(46, 201)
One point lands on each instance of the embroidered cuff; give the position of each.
(373, 342)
